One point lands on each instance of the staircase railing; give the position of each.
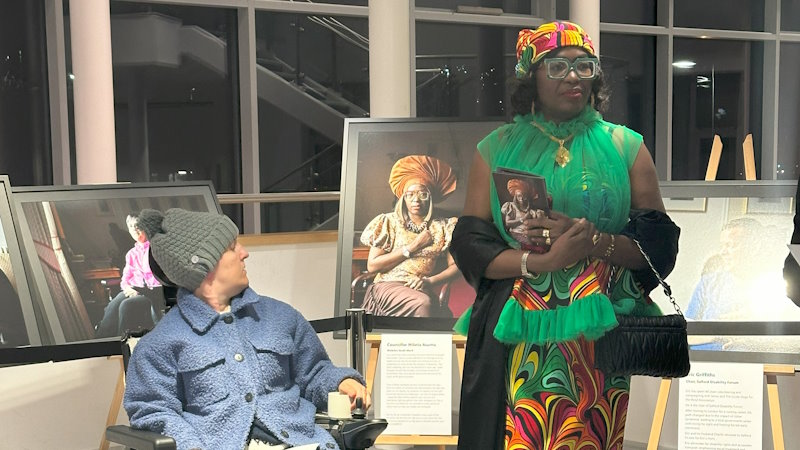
(300, 167)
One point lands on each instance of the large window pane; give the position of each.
(628, 62)
(462, 69)
(720, 94)
(175, 92)
(743, 15)
(24, 111)
(312, 73)
(788, 164)
(790, 15)
(345, 2)
(629, 11)
(508, 6)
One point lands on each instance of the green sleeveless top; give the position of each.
(594, 185)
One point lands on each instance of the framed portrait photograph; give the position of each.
(18, 327)
(403, 188)
(728, 277)
(87, 259)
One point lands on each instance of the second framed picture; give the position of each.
(404, 184)
(88, 259)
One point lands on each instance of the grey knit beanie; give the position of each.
(187, 245)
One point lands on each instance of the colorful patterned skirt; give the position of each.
(556, 398)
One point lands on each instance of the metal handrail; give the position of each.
(323, 23)
(348, 34)
(301, 166)
(282, 197)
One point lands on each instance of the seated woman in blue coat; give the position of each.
(226, 368)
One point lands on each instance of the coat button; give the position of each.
(195, 259)
(248, 397)
(228, 319)
(238, 357)
(285, 434)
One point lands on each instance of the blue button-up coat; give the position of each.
(202, 377)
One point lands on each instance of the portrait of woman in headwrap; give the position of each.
(409, 246)
(519, 208)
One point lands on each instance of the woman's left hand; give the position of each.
(574, 245)
(353, 389)
(418, 283)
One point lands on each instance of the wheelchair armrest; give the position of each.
(139, 439)
(352, 434)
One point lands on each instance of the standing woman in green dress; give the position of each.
(529, 375)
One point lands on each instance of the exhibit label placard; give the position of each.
(721, 407)
(415, 383)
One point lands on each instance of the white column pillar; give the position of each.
(248, 110)
(57, 83)
(586, 13)
(392, 81)
(93, 90)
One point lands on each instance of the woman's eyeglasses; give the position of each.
(421, 195)
(585, 68)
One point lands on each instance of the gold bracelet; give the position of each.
(610, 248)
(524, 265)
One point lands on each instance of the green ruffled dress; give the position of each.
(555, 396)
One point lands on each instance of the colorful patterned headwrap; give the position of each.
(533, 45)
(431, 172)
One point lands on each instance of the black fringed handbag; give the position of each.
(650, 346)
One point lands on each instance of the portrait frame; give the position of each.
(370, 148)
(13, 259)
(75, 241)
(782, 205)
(697, 204)
(751, 337)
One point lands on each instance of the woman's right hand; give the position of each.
(423, 240)
(572, 246)
(130, 292)
(556, 225)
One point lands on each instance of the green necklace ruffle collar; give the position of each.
(571, 127)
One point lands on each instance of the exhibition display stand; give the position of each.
(374, 342)
(771, 373)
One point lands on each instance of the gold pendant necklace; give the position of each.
(562, 154)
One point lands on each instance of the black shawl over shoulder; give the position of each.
(475, 244)
(791, 270)
(481, 421)
(658, 235)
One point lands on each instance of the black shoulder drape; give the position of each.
(481, 421)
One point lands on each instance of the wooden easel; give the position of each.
(374, 342)
(747, 152)
(116, 402)
(771, 372)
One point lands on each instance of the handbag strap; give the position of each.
(664, 285)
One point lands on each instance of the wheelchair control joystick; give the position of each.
(358, 412)
(355, 433)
